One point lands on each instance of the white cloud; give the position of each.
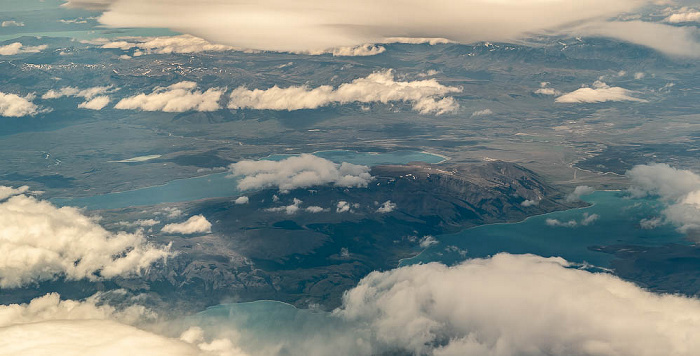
(527, 203)
(545, 90)
(376, 87)
(196, 224)
(88, 93)
(49, 325)
(97, 103)
(600, 92)
(519, 305)
(309, 25)
(178, 97)
(165, 44)
(586, 220)
(651, 223)
(6, 192)
(94, 98)
(17, 48)
(314, 209)
(578, 192)
(639, 75)
(558, 223)
(241, 200)
(662, 180)
(427, 241)
(342, 207)
(79, 20)
(417, 40)
(11, 23)
(140, 223)
(364, 50)
(484, 112)
(39, 242)
(386, 207)
(192, 44)
(680, 189)
(301, 171)
(289, 209)
(685, 15)
(13, 105)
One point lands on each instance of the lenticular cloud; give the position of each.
(309, 25)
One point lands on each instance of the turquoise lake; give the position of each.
(617, 223)
(220, 185)
(264, 323)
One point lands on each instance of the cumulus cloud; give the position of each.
(364, 50)
(342, 207)
(17, 48)
(192, 44)
(684, 15)
(427, 241)
(11, 23)
(6, 192)
(376, 87)
(94, 98)
(519, 305)
(97, 103)
(307, 25)
(289, 209)
(680, 189)
(39, 242)
(241, 200)
(578, 192)
(600, 92)
(545, 90)
(301, 171)
(527, 203)
(586, 220)
(88, 93)
(13, 105)
(179, 97)
(484, 112)
(196, 224)
(386, 207)
(314, 209)
(70, 327)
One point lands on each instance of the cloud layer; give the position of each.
(179, 97)
(679, 188)
(39, 242)
(519, 305)
(308, 25)
(298, 172)
(426, 95)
